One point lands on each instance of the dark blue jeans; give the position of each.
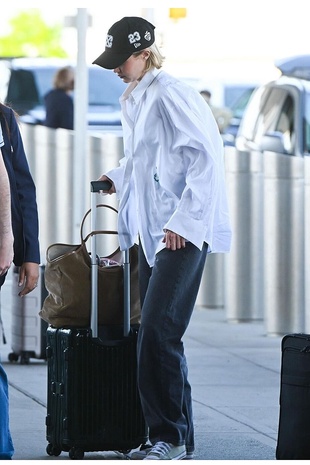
(6, 444)
(168, 294)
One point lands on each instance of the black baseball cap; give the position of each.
(127, 36)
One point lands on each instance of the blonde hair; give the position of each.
(64, 79)
(155, 59)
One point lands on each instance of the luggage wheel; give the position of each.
(24, 358)
(76, 454)
(12, 357)
(53, 450)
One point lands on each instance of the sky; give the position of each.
(218, 39)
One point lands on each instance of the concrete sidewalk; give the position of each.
(234, 370)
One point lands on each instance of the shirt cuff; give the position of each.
(179, 223)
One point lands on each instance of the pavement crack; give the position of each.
(27, 394)
(256, 430)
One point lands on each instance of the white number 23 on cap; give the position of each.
(134, 37)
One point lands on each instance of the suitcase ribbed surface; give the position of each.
(294, 426)
(93, 401)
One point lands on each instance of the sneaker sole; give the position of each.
(180, 456)
(140, 455)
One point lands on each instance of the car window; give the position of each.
(27, 87)
(30, 86)
(234, 95)
(307, 125)
(238, 106)
(277, 116)
(253, 109)
(22, 88)
(105, 88)
(44, 78)
(285, 124)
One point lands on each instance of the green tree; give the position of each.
(30, 36)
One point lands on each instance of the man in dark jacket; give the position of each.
(26, 253)
(23, 201)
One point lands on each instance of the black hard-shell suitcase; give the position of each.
(294, 420)
(93, 402)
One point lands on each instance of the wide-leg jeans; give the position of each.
(168, 293)
(6, 444)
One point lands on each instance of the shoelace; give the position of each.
(160, 448)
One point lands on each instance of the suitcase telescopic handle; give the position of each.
(97, 186)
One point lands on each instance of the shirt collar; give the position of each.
(137, 88)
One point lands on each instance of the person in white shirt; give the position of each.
(172, 196)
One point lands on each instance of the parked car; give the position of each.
(30, 79)
(237, 108)
(277, 117)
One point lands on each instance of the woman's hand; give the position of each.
(173, 241)
(112, 189)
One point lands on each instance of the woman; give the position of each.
(59, 102)
(24, 217)
(172, 195)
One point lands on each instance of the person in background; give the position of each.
(59, 101)
(171, 187)
(222, 115)
(25, 229)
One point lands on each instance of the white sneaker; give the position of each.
(166, 451)
(141, 453)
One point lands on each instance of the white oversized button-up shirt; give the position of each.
(172, 175)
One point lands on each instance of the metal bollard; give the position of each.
(244, 264)
(307, 243)
(51, 157)
(51, 168)
(211, 290)
(284, 243)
